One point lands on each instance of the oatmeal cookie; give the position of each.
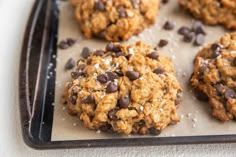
(214, 76)
(124, 89)
(213, 12)
(114, 20)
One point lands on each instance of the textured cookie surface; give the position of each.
(213, 11)
(124, 89)
(114, 20)
(215, 76)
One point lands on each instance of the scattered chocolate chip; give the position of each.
(99, 5)
(71, 41)
(202, 69)
(77, 73)
(219, 88)
(63, 45)
(81, 67)
(169, 25)
(201, 96)
(154, 131)
(88, 100)
(159, 71)
(111, 76)
(112, 47)
(102, 78)
(70, 64)
(188, 37)
(234, 61)
(122, 12)
(85, 52)
(111, 88)
(165, 1)
(118, 54)
(163, 43)
(119, 73)
(153, 55)
(198, 28)
(73, 99)
(99, 53)
(184, 30)
(123, 102)
(132, 75)
(112, 113)
(230, 93)
(200, 39)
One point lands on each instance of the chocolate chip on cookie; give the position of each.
(111, 88)
(102, 78)
(159, 71)
(132, 75)
(124, 102)
(88, 100)
(153, 55)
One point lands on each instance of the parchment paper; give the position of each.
(195, 115)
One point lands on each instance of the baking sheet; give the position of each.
(195, 115)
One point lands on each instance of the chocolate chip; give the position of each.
(111, 76)
(188, 37)
(153, 55)
(99, 53)
(77, 73)
(198, 28)
(102, 78)
(106, 128)
(85, 52)
(73, 99)
(128, 56)
(184, 30)
(154, 131)
(122, 12)
(215, 47)
(118, 54)
(202, 69)
(159, 71)
(112, 113)
(70, 64)
(132, 75)
(215, 54)
(111, 88)
(112, 47)
(201, 96)
(219, 88)
(163, 43)
(88, 100)
(230, 93)
(119, 73)
(99, 5)
(63, 45)
(165, 1)
(234, 61)
(169, 25)
(123, 102)
(71, 41)
(200, 39)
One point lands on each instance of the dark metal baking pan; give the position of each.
(37, 91)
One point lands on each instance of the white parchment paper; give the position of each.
(195, 115)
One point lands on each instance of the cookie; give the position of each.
(124, 89)
(213, 12)
(214, 76)
(114, 20)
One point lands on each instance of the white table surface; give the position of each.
(14, 15)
